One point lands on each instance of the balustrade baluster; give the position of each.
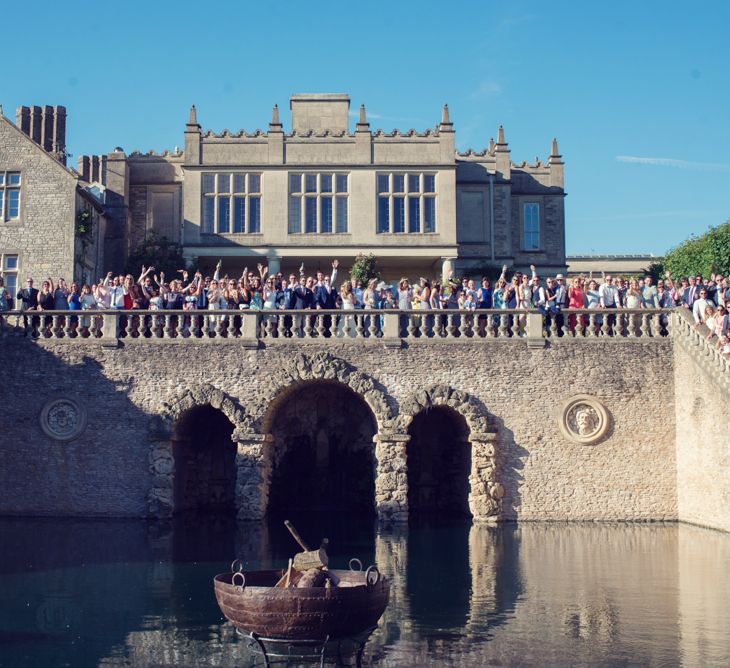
(465, 326)
(450, 326)
(438, 326)
(167, 329)
(656, 324)
(68, 330)
(606, 325)
(644, 327)
(591, 325)
(503, 322)
(307, 327)
(411, 326)
(360, 326)
(373, 325)
(56, 330)
(219, 327)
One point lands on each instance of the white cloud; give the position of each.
(674, 162)
(355, 113)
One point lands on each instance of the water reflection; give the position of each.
(87, 593)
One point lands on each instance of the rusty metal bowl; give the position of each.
(253, 605)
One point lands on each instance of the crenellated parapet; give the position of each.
(495, 159)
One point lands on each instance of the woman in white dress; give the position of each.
(216, 302)
(346, 326)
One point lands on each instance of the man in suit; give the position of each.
(690, 293)
(28, 297)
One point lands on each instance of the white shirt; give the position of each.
(608, 295)
(698, 310)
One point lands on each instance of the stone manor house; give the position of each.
(282, 197)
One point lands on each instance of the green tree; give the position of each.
(656, 270)
(158, 252)
(364, 268)
(707, 254)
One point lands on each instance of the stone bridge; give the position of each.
(493, 415)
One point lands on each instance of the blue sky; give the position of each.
(637, 93)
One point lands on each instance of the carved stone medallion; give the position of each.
(583, 419)
(63, 419)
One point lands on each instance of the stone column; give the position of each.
(485, 493)
(252, 475)
(274, 264)
(160, 500)
(391, 478)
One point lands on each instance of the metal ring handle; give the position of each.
(239, 574)
(372, 576)
(355, 562)
(236, 566)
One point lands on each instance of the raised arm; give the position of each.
(143, 273)
(333, 277)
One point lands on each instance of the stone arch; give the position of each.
(161, 503)
(305, 368)
(485, 490)
(322, 366)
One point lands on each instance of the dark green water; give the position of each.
(132, 593)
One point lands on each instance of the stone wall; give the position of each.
(512, 398)
(43, 235)
(703, 441)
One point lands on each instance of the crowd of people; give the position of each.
(708, 299)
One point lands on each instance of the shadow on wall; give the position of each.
(510, 462)
(322, 455)
(91, 457)
(205, 462)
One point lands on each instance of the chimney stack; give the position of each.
(46, 126)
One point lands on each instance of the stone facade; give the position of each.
(479, 196)
(509, 395)
(703, 440)
(43, 236)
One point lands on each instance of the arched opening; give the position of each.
(205, 462)
(322, 454)
(439, 463)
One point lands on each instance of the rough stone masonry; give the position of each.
(581, 429)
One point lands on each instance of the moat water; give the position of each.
(134, 593)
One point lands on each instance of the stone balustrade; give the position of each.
(250, 328)
(706, 353)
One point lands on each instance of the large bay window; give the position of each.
(231, 203)
(318, 203)
(406, 203)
